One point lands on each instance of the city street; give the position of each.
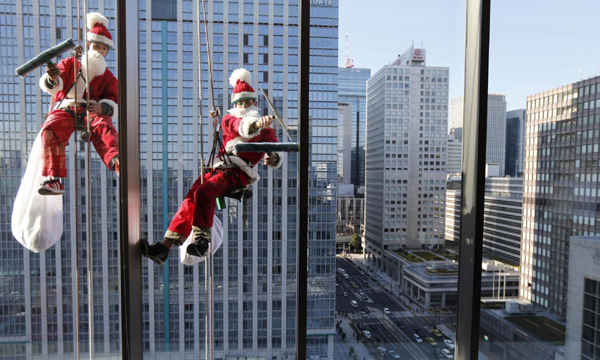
(392, 331)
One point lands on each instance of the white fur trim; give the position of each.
(91, 37)
(112, 104)
(230, 147)
(249, 170)
(240, 74)
(278, 163)
(94, 17)
(244, 129)
(58, 87)
(243, 95)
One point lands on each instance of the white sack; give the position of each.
(216, 242)
(37, 221)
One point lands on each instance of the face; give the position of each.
(99, 47)
(246, 103)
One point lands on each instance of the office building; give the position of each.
(515, 142)
(407, 109)
(496, 126)
(454, 154)
(583, 328)
(352, 90)
(344, 143)
(255, 275)
(560, 195)
(435, 284)
(350, 210)
(501, 219)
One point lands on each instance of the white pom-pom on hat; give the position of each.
(95, 18)
(240, 74)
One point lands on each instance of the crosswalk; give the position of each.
(377, 314)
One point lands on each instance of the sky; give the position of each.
(535, 45)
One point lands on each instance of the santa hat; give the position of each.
(240, 79)
(98, 32)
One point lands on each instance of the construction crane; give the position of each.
(349, 62)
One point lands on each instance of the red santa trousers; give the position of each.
(198, 207)
(57, 130)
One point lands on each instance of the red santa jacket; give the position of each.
(103, 87)
(237, 130)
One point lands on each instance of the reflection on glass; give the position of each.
(38, 296)
(552, 126)
(396, 279)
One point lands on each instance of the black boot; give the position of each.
(157, 252)
(201, 241)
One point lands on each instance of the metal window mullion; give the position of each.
(473, 177)
(303, 124)
(129, 180)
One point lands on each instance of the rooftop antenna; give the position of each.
(413, 43)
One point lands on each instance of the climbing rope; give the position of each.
(88, 203)
(208, 349)
(75, 188)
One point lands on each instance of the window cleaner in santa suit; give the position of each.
(102, 107)
(242, 124)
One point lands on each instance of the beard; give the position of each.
(251, 111)
(96, 61)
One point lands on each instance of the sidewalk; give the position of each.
(342, 347)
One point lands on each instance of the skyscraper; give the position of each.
(515, 142)
(496, 126)
(407, 106)
(255, 271)
(560, 195)
(352, 89)
(344, 142)
(454, 155)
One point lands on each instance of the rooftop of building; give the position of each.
(541, 326)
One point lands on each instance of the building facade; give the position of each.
(583, 328)
(352, 89)
(560, 195)
(501, 218)
(496, 126)
(454, 154)
(255, 276)
(344, 143)
(515, 142)
(407, 112)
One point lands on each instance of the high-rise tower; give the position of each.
(407, 113)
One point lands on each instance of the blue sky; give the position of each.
(535, 45)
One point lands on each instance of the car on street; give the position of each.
(354, 303)
(419, 332)
(394, 355)
(367, 334)
(400, 324)
(363, 297)
(353, 284)
(449, 344)
(431, 341)
(367, 310)
(386, 311)
(447, 354)
(362, 272)
(346, 276)
(345, 294)
(436, 332)
(363, 313)
(417, 338)
(382, 351)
